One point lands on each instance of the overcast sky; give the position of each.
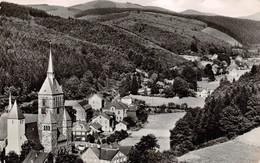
(234, 8)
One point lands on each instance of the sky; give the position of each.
(233, 8)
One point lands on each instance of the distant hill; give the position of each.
(61, 11)
(255, 16)
(195, 12)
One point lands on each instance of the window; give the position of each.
(43, 102)
(12, 121)
(118, 112)
(58, 110)
(43, 110)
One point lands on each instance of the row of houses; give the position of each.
(108, 117)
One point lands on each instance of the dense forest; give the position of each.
(231, 110)
(245, 31)
(88, 56)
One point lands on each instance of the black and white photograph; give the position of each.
(130, 81)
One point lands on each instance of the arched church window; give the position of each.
(43, 110)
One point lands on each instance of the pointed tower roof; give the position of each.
(49, 118)
(15, 112)
(50, 85)
(10, 103)
(66, 116)
(50, 65)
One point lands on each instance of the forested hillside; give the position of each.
(245, 31)
(88, 56)
(231, 110)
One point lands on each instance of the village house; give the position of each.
(80, 131)
(118, 108)
(106, 121)
(96, 101)
(121, 126)
(106, 155)
(80, 110)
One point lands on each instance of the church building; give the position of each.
(54, 122)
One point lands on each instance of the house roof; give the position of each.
(81, 126)
(70, 102)
(66, 116)
(124, 122)
(96, 125)
(117, 104)
(96, 151)
(125, 149)
(34, 156)
(16, 112)
(107, 154)
(96, 94)
(31, 133)
(31, 118)
(3, 128)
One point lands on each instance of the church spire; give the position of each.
(10, 103)
(50, 66)
(15, 113)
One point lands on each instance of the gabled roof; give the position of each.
(3, 128)
(66, 116)
(97, 94)
(117, 104)
(36, 157)
(15, 113)
(81, 126)
(96, 151)
(107, 154)
(49, 118)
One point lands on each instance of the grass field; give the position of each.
(158, 101)
(244, 149)
(159, 125)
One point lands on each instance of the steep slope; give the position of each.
(89, 56)
(220, 35)
(255, 17)
(245, 31)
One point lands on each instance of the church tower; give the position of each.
(50, 101)
(49, 133)
(15, 130)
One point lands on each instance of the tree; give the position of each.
(130, 121)
(142, 114)
(26, 148)
(134, 86)
(194, 46)
(180, 87)
(144, 150)
(209, 72)
(68, 158)
(12, 157)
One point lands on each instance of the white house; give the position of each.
(118, 108)
(81, 113)
(121, 126)
(96, 101)
(105, 121)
